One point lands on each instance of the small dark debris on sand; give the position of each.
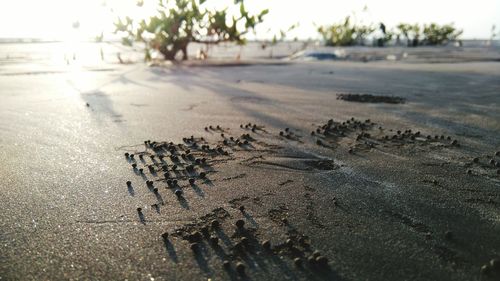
(246, 245)
(370, 98)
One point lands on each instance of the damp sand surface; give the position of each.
(326, 189)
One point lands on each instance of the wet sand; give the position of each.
(340, 190)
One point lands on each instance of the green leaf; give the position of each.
(242, 9)
(126, 41)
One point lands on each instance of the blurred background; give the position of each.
(58, 19)
(76, 32)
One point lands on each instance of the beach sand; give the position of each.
(341, 190)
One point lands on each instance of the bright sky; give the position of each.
(54, 18)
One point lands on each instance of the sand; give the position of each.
(360, 184)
